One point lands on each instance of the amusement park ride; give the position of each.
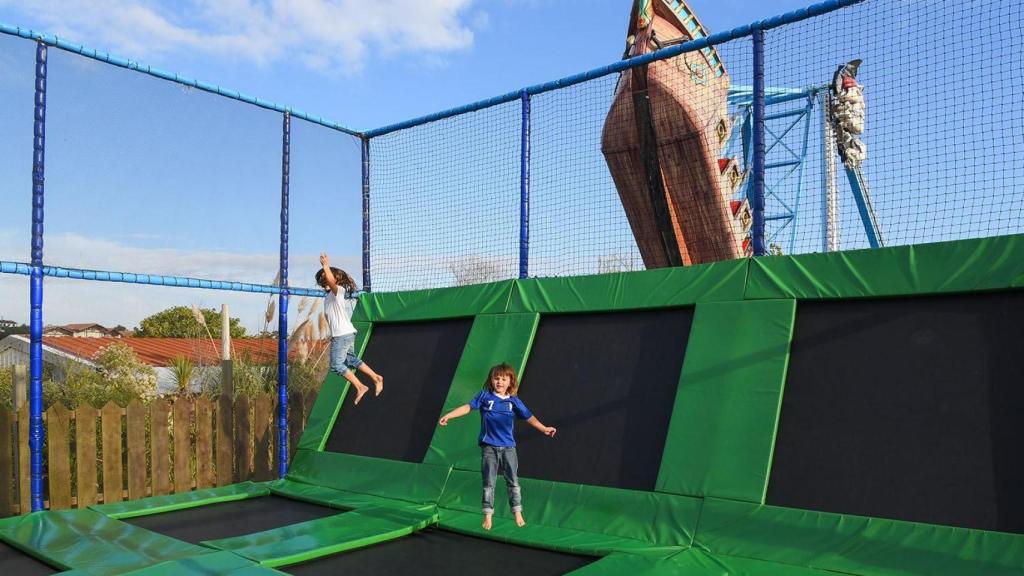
(681, 170)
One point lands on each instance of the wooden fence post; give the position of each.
(225, 440)
(19, 385)
(19, 397)
(136, 449)
(204, 443)
(182, 444)
(7, 469)
(262, 444)
(113, 482)
(161, 457)
(85, 454)
(243, 439)
(58, 428)
(24, 471)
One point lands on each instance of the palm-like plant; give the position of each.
(182, 369)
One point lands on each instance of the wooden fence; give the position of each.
(165, 447)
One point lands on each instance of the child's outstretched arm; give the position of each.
(457, 413)
(545, 430)
(332, 282)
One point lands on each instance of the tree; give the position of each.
(182, 369)
(20, 329)
(119, 376)
(475, 270)
(178, 322)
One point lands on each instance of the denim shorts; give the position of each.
(343, 357)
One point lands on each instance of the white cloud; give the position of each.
(325, 35)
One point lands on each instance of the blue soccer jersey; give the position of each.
(497, 415)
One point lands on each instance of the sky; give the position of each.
(148, 176)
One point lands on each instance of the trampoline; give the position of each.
(853, 412)
(731, 418)
(906, 409)
(609, 380)
(229, 519)
(418, 361)
(14, 561)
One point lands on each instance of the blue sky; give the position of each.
(146, 176)
(140, 171)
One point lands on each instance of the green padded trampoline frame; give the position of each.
(706, 515)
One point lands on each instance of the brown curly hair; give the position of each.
(503, 369)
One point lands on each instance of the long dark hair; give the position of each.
(344, 279)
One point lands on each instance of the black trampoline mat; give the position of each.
(16, 562)
(229, 519)
(418, 362)
(907, 409)
(434, 552)
(608, 382)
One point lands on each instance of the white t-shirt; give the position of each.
(339, 312)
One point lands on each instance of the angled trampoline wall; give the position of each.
(717, 487)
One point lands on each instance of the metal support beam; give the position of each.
(282, 309)
(524, 189)
(36, 434)
(758, 165)
(366, 214)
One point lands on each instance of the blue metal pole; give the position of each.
(36, 433)
(524, 190)
(153, 279)
(808, 111)
(282, 309)
(757, 193)
(366, 214)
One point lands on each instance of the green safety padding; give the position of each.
(325, 536)
(215, 563)
(393, 479)
(691, 562)
(635, 565)
(182, 500)
(328, 401)
(661, 288)
(536, 535)
(854, 544)
(493, 339)
(648, 517)
(434, 303)
(91, 542)
(944, 267)
(327, 496)
(720, 439)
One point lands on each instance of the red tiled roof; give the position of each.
(160, 351)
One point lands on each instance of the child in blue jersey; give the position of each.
(343, 333)
(499, 407)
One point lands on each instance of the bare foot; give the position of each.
(378, 385)
(360, 390)
(519, 520)
(487, 522)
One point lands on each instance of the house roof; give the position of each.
(161, 351)
(85, 326)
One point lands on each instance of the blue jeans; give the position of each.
(343, 357)
(494, 459)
